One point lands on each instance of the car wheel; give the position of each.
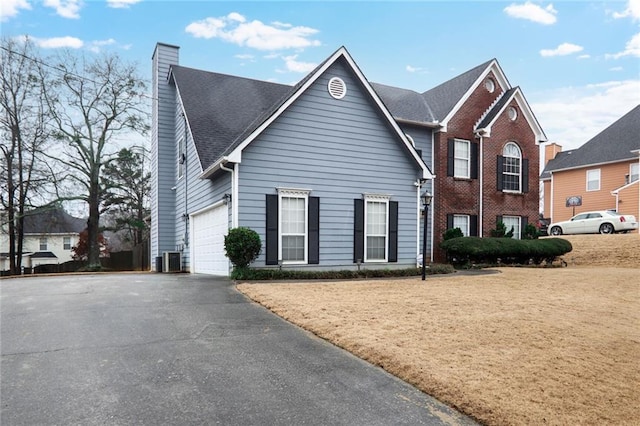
(606, 228)
(556, 230)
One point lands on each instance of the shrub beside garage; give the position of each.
(474, 250)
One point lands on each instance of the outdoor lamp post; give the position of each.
(426, 200)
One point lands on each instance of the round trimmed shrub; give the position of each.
(242, 246)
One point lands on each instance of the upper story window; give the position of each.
(511, 168)
(593, 180)
(293, 225)
(462, 158)
(181, 157)
(489, 85)
(43, 243)
(513, 113)
(66, 243)
(376, 229)
(634, 172)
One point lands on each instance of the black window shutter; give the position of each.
(450, 157)
(449, 221)
(499, 176)
(314, 230)
(524, 221)
(272, 230)
(499, 219)
(474, 160)
(393, 231)
(473, 225)
(525, 175)
(358, 230)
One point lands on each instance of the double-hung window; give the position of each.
(66, 243)
(293, 225)
(593, 180)
(376, 229)
(511, 168)
(461, 221)
(181, 158)
(462, 158)
(512, 222)
(43, 243)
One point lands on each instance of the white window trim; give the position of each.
(43, 241)
(517, 234)
(467, 159)
(519, 174)
(294, 193)
(591, 180)
(465, 217)
(635, 165)
(70, 243)
(376, 198)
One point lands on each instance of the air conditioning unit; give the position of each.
(171, 261)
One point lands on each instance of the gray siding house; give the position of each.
(321, 170)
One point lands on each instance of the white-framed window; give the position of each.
(512, 168)
(462, 158)
(634, 172)
(512, 222)
(43, 243)
(181, 157)
(66, 243)
(593, 180)
(293, 228)
(376, 220)
(461, 221)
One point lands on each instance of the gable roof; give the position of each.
(52, 221)
(444, 97)
(615, 143)
(405, 104)
(255, 110)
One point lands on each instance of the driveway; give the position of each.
(181, 349)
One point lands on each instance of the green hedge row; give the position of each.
(290, 274)
(466, 250)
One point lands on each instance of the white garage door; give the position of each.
(207, 239)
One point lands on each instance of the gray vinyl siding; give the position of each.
(162, 198)
(202, 192)
(340, 149)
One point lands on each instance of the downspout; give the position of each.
(480, 133)
(234, 196)
(418, 185)
(185, 215)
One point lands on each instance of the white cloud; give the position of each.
(532, 12)
(65, 8)
(97, 45)
(632, 48)
(121, 4)
(296, 66)
(59, 42)
(409, 68)
(571, 116)
(244, 56)
(234, 28)
(585, 56)
(11, 8)
(562, 50)
(632, 11)
(616, 69)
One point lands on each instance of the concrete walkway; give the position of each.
(161, 349)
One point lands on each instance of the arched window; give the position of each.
(512, 168)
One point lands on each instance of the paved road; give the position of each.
(180, 349)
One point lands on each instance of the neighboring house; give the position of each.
(602, 174)
(329, 171)
(49, 235)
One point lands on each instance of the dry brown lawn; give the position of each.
(521, 346)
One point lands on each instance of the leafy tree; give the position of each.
(452, 233)
(501, 231)
(92, 102)
(81, 250)
(24, 175)
(127, 186)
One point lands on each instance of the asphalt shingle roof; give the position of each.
(52, 221)
(614, 143)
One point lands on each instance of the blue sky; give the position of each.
(577, 62)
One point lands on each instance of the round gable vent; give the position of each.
(337, 88)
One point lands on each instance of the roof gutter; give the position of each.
(218, 165)
(432, 125)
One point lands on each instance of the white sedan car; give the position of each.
(603, 222)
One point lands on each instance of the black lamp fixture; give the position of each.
(426, 198)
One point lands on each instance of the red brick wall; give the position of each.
(462, 196)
